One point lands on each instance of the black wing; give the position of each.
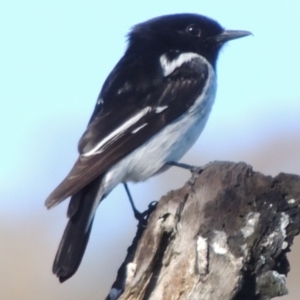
(128, 117)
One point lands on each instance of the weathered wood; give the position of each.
(223, 235)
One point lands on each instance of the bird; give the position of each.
(151, 109)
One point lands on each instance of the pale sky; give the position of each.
(54, 58)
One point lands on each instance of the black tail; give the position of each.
(76, 235)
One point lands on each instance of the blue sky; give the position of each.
(54, 58)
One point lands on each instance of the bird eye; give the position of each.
(193, 30)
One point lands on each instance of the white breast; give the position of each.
(172, 142)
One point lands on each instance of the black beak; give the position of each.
(229, 35)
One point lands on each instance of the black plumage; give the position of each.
(168, 66)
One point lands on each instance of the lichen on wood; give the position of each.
(223, 235)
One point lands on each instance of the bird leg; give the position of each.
(193, 169)
(141, 217)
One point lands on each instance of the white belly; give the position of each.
(168, 145)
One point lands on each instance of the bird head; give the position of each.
(181, 33)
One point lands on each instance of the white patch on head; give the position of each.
(169, 66)
(118, 131)
(251, 222)
(159, 109)
(219, 242)
(139, 128)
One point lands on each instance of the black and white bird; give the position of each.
(152, 108)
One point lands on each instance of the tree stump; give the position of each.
(223, 235)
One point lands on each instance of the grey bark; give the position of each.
(223, 235)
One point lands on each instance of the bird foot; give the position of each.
(144, 216)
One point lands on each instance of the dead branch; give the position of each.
(223, 235)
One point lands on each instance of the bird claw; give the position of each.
(144, 216)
